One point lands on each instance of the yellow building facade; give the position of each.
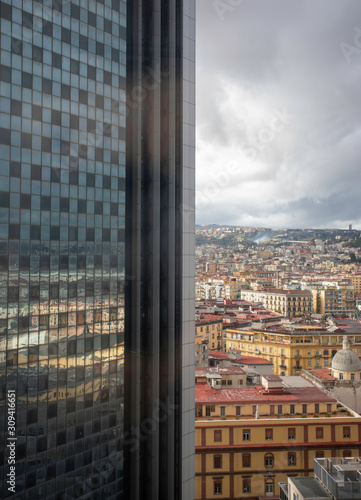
(245, 453)
(355, 279)
(213, 331)
(289, 303)
(334, 300)
(290, 353)
(232, 290)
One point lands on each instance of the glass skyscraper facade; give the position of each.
(62, 220)
(96, 248)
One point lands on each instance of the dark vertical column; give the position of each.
(169, 293)
(333, 433)
(231, 435)
(179, 326)
(132, 343)
(153, 327)
(305, 434)
(150, 247)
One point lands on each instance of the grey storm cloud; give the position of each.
(259, 61)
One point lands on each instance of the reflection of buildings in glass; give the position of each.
(63, 149)
(62, 219)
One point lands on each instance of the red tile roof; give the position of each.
(253, 360)
(218, 355)
(205, 394)
(323, 374)
(245, 360)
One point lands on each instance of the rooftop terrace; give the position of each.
(341, 477)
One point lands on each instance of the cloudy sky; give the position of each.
(279, 113)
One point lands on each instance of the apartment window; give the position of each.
(269, 434)
(246, 460)
(308, 362)
(282, 352)
(269, 488)
(217, 436)
(352, 376)
(224, 382)
(292, 409)
(238, 411)
(246, 435)
(272, 409)
(209, 410)
(292, 433)
(325, 363)
(229, 382)
(341, 376)
(279, 409)
(254, 409)
(304, 409)
(346, 432)
(246, 486)
(291, 459)
(268, 460)
(218, 487)
(295, 496)
(347, 453)
(325, 353)
(319, 432)
(308, 353)
(223, 411)
(240, 382)
(217, 461)
(329, 408)
(317, 408)
(320, 454)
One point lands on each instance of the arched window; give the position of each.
(268, 460)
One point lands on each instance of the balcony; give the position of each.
(283, 366)
(297, 367)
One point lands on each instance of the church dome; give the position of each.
(346, 360)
